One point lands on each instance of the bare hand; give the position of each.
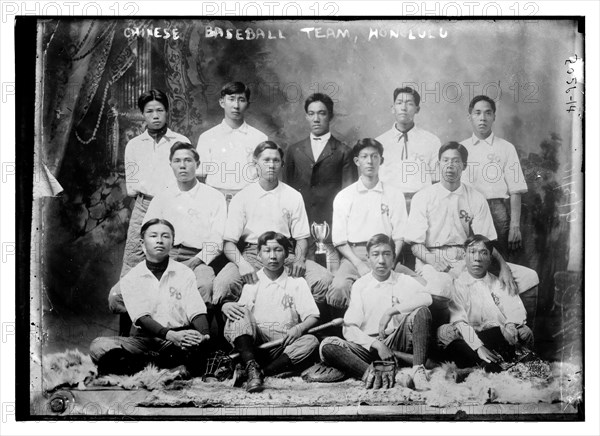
(233, 311)
(186, 338)
(525, 335)
(384, 321)
(510, 333)
(508, 281)
(488, 356)
(247, 272)
(514, 237)
(298, 268)
(363, 269)
(384, 352)
(291, 335)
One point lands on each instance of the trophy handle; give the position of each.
(326, 229)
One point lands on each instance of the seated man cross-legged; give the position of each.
(162, 299)
(276, 307)
(388, 312)
(486, 322)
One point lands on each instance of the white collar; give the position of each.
(228, 129)
(279, 281)
(360, 186)
(321, 139)
(489, 140)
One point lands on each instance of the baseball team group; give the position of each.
(241, 245)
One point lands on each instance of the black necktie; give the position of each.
(405, 148)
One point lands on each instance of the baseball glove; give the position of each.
(380, 374)
(321, 373)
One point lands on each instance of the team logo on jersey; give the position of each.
(175, 293)
(287, 302)
(385, 209)
(493, 158)
(464, 215)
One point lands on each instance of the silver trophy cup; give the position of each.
(320, 233)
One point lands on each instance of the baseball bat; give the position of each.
(276, 342)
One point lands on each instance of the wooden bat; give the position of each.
(276, 342)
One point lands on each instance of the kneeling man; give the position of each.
(388, 312)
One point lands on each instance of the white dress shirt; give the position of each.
(147, 166)
(440, 217)
(278, 305)
(369, 299)
(198, 216)
(494, 168)
(226, 155)
(415, 171)
(172, 302)
(359, 213)
(318, 143)
(254, 211)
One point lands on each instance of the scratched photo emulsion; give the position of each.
(341, 219)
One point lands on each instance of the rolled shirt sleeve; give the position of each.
(513, 173)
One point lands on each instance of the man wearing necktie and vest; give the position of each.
(411, 152)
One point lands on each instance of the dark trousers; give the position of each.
(459, 352)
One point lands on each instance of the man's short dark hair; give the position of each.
(323, 98)
(274, 236)
(408, 90)
(231, 88)
(367, 142)
(453, 145)
(153, 94)
(153, 221)
(479, 98)
(379, 239)
(179, 145)
(267, 145)
(473, 239)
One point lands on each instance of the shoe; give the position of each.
(255, 377)
(420, 379)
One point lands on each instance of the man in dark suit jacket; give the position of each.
(319, 167)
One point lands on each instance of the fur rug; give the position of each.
(530, 382)
(69, 369)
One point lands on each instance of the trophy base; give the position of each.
(321, 258)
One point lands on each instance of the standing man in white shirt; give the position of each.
(495, 171)
(198, 213)
(147, 170)
(226, 149)
(268, 205)
(410, 152)
(363, 209)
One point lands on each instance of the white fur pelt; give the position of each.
(149, 378)
(552, 383)
(71, 368)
